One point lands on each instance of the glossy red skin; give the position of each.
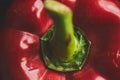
(87, 73)
(16, 65)
(100, 20)
(29, 15)
(90, 19)
(21, 57)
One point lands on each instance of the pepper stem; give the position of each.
(65, 47)
(63, 41)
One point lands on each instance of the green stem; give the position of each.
(63, 41)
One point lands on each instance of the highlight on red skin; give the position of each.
(87, 73)
(29, 15)
(100, 19)
(92, 22)
(22, 60)
(21, 56)
(110, 7)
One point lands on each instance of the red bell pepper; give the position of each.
(100, 19)
(24, 14)
(23, 62)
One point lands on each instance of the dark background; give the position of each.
(4, 4)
